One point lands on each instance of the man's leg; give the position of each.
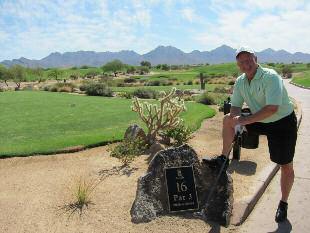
(228, 133)
(287, 180)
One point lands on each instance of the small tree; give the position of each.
(143, 70)
(131, 70)
(55, 74)
(146, 63)
(113, 66)
(287, 71)
(38, 72)
(4, 75)
(165, 67)
(160, 117)
(18, 74)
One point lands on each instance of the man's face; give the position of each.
(247, 62)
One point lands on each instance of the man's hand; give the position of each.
(240, 120)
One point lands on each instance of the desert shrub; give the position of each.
(206, 98)
(152, 83)
(82, 190)
(53, 89)
(231, 82)
(120, 84)
(220, 90)
(128, 149)
(130, 80)
(98, 89)
(180, 134)
(287, 71)
(127, 95)
(73, 76)
(145, 93)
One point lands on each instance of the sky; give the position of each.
(36, 28)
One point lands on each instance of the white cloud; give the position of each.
(287, 29)
(188, 14)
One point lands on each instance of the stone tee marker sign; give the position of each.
(177, 183)
(181, 189)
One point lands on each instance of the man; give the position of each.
(273, 115)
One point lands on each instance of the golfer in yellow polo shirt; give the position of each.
(273, 115)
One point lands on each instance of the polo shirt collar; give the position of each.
(258, 73)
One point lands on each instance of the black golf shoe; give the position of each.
(281, 214)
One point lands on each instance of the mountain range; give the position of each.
(160, 55)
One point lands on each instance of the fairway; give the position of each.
(303, 80)
(34, 122)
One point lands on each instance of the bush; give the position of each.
(145, 93)
(153, 83)
(98, 89)
(130, 80)
(53, 89)
(206, 98)
(127, 95)
(60, 87)
(220, 90)
(128, 149)
(120, 85)
(180, 134)
(190, 82)
(231, 82)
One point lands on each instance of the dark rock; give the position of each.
(151, 197)
(154, 148)
(135, 131)
(219, 207)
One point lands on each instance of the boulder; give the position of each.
(135, 131)
(151, 197)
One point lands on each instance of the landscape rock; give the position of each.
(135, 131)
(151, 197)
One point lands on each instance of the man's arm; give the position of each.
(235, 111)
(262, 114)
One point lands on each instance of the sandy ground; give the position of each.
(34, 190)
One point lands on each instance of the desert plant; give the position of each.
(180, 134)
(287, 71)
(128, 149)
(162, 116)
(220, 90)
(97, 89)
(130, 80)
(153, 83)
(206, 98)
(81, 191)
(145, 93)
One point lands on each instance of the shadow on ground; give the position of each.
(247, 168)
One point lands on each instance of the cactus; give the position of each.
(160, 117)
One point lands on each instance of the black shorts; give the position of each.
(281, 136)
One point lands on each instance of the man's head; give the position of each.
(246, 60)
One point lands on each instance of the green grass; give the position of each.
(303, 80)
(44, 122)
(209, 87)
(225, 69)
